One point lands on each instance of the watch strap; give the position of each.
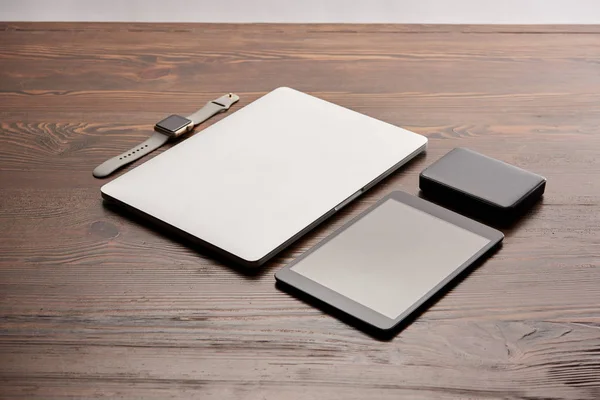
(211, 108)
(146, 147)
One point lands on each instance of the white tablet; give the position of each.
(252, 183)
(388, 261)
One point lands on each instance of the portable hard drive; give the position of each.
(481, 186)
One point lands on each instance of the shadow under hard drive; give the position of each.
(484, 213)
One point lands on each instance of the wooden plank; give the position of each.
(93, 304)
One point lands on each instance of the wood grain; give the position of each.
(94, 305)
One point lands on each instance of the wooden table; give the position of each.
(94, 305)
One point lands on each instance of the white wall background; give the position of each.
(358, 11)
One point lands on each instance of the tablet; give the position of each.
(387, 262)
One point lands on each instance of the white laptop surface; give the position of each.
(255, 181)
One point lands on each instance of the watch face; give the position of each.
(173, 123)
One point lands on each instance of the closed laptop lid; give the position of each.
(252, 181)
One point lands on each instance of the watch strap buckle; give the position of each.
(226, 100)
(213, 107)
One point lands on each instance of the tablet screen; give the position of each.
(391, 257)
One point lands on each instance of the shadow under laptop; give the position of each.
(384, 336)
(206, 250)
(180, 237)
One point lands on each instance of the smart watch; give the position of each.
(169, 128)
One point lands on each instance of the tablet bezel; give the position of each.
(363, 313)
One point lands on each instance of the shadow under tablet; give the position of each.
(380, 270)
(375, 333)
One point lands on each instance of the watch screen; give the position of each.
(173, 123)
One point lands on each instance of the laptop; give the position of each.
(251, 184)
